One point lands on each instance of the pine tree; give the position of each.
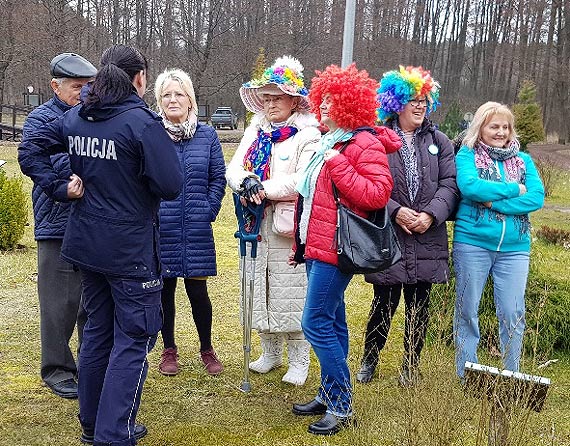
(451, 125)
(258, 69)
(528, 116)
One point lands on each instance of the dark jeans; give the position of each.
(59, 292)
(197, 292)
(384, 304)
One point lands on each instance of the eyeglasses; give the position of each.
(268, 99)
(174, 95)
(418, 103)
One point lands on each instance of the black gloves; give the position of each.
(249, 187)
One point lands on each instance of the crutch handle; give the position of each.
(248, 229)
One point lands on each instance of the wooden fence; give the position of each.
(12, 119)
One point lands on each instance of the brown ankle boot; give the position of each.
(211, 362)
(169, 362)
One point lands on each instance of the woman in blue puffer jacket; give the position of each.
(186, 236)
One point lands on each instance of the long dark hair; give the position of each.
(114, 81)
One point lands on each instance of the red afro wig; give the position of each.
(353, 96)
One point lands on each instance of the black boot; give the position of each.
(410, 375)
(313, 407)
(330, 424)
(368, 366)
(87, 436)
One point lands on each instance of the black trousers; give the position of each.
(197, 292)
(384, 304)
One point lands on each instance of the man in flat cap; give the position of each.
(59, 283)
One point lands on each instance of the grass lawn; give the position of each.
(196, 409)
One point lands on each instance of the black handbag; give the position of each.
(364, 245)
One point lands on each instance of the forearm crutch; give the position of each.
(249, 222)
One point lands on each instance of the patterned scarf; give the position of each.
(409, 158)
(515, 171)
(258, 155)
(185, 130)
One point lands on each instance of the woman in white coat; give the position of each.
(275, 147)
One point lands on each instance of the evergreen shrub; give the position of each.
(528, 116)
(13, 211)
(451, 125)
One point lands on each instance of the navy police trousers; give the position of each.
(124, 317)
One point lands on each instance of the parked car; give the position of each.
(224, 117)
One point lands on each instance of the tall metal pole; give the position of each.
(348, 36)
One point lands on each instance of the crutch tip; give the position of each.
(245, 387)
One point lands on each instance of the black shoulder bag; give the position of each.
(364, 245)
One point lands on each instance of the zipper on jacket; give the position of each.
(183, 213)
(335, 245)
(502, 235)
(505, 220)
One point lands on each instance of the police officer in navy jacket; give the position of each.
(124, 163)
(59, 283)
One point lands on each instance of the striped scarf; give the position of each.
(258, 156)
(184, 130)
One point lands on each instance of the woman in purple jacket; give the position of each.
(186, 236)
(423, 197)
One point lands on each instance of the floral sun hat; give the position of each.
(286, 74)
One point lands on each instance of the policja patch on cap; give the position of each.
(71, 65)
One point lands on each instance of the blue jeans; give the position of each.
(509, 271)
(324, 326)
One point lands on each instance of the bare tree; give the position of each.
(478, 49)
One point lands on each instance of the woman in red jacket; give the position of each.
(352, 155)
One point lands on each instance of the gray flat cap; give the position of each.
(71, 65)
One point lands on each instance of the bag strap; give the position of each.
(344, 146)
(293, 163)
(335, 190)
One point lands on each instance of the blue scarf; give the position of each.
(327, 142)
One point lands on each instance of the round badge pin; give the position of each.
(433, 149)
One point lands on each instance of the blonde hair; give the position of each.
(185, 83)
(482, 116)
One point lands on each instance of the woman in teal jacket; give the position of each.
(499, 187)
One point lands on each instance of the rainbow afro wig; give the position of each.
(397, 88)
(352, 93)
